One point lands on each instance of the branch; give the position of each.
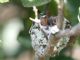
(60, 14)
(75, 31)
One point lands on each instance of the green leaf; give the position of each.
(3, 1)
(30, 3)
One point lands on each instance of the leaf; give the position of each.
(30, 3)
(3, 1)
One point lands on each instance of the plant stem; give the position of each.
(60, 17)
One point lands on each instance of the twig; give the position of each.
(60, 17)
(75, 31)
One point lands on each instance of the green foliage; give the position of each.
(30, 3)
(3, 1)
(72, 10)
(25, 42)
(53, 8)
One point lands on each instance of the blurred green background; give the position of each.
(70, 12)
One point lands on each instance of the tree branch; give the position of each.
(60, 17)
(75, 31)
